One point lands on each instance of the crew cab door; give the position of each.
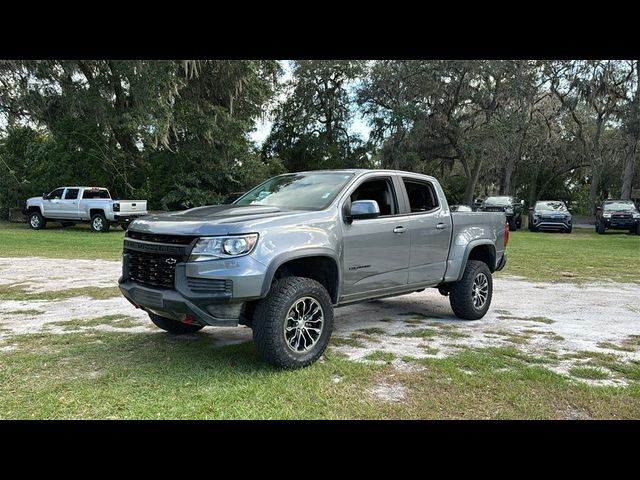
(68, 206)
(429, 224)
(51, 205)
(376, 250)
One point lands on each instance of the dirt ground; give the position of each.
(540, 319)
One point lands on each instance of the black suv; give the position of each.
(512, 209)
(617, 215)
(550, 215)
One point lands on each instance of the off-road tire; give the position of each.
(600, 228)
(460, 296)
(270, 316)
(173, 326)
(99, 223)
(37, 221)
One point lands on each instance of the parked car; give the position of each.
(508, 205)
(617, 215)
(71, 205)
(461, 208)
(550, 215)
(293, 248)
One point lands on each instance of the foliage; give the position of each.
(177, 132)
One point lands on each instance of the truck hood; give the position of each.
(211, 220)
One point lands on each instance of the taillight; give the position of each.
(506, 234)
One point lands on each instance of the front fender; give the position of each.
(285, 257)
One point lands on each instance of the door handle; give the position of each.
(442, 226)
(399, 230)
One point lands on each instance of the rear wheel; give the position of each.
(292, 324)
(37, 221)
(470, 298)
(173, 326)
(99, 223)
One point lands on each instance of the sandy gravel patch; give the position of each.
(538, 318)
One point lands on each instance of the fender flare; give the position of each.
(470, 246)
(285, 257)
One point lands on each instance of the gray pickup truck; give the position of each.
(282, 256)
(70, 205)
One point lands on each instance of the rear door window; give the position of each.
(72, 194)
(422, 196)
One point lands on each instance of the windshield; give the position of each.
(558, 206)
(499, 201)
(297, 191)
(627, 206)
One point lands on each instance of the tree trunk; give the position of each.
(472, 180)
(507, 173)
(627, 174)
(593, 192)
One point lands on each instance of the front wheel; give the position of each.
(470, 297)
(37, 221)
(173, 326)
(292, 324)
(99, 223)
(513, 225)
(600, 228)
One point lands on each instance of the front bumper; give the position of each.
(553, 225)
(172, 304)
(622, 224)
(197, 294)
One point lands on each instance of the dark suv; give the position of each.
(508, 205)
(617, 215)
(550, 215)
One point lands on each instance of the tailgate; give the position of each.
(132, 206)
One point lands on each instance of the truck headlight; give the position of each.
(212, 248)
(636, 215)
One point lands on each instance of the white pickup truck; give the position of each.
(71, 205)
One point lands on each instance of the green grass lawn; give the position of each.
(147, 376)
(582, 256)
(18, 240)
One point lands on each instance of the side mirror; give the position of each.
(363, 209)
(45, 197)
(522, 202)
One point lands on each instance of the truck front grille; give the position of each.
(156, 238)
(152, 269)
(621, 216)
